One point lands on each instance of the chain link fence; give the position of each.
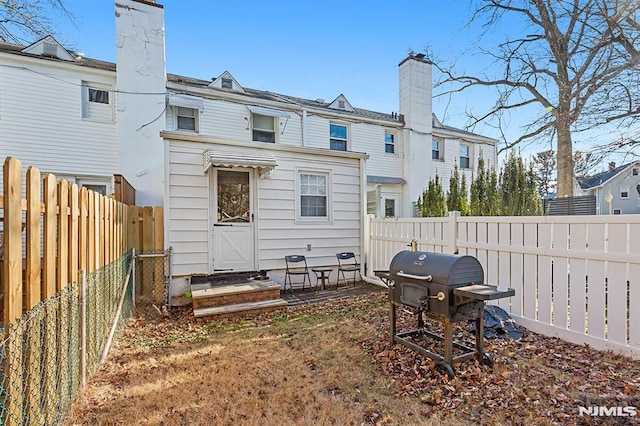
(152, 276)
(46, 353)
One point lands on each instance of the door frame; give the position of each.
(213, 212)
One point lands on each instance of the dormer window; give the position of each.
(341, 103)
(227, 83)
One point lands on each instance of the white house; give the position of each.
(616, 191)
(245, 176)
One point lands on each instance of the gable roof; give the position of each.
(218, 83)
(49, 46)
(341, 103)
(602, 178)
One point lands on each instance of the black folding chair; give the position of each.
(294, 267)
(347, 263)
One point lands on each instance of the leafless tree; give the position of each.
(23, 21)
(578, 59)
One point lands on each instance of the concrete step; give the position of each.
(232, 294)
(241, 309)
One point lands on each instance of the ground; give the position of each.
(330, 363)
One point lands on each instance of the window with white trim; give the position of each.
(624, 192)
(186, 119)
(465, 156)
(389, 142)
(263, 128)
(436, 149)
(617, 211)
(313, 192)
(338, 137)
(97, 102)
(389, 207)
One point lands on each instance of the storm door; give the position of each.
(233, 226)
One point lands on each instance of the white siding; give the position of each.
(278, 232)
(369, 139)
(317, 131)
(41, 119)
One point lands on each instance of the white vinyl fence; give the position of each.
(575, 277)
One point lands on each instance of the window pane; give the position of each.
(98, 96)
(389, 207)
(263, 122)
(464, 150)
(338, 145)
(464, 163)
(389, 148)
(186, 112)
(338, 131)
(186, 123)
(313, 195)
(233, 196)
(388, 138)
(264, 136)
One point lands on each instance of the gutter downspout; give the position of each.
(304, 127)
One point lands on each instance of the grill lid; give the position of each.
(449, 269)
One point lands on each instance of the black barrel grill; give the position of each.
(447, 287)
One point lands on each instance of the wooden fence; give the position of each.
(575, 277)
(59, 229)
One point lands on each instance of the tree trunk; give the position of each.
(565, 156)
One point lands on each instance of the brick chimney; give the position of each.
(415, 106)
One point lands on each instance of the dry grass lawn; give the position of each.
(324, 364)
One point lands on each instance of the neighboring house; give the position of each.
(617, 191)
(245, 176)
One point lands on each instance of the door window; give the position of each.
(233, 196)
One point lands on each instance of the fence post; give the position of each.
(83, 328)
(452, 232)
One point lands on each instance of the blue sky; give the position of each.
(307, 49)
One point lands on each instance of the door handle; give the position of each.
(223, 224)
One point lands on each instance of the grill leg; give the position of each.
(483, 358)
(448, 341)
(392, 322)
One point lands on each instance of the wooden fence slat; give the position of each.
(12, 283)
(63, 236)
(32, 272)
(50, 231)
(73, 233)
(33, 285)
(83, 237)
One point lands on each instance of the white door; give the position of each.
(233, 234)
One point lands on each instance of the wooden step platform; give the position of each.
(238, 299)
